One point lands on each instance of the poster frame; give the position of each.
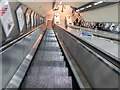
(33, 18)
(17, 18)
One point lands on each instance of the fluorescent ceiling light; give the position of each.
(82, 8)
(98, 3)
(59, 4)
(89, 6)
(77, 10)
(95, 3)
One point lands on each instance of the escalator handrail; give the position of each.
(2, 48)
(18, 77)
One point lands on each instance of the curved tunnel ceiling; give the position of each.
(43, 7)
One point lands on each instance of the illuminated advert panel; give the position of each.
(27, 18)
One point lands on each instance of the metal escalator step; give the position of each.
(42, 54)
(48, 53)
(48, 63)
(50, 32)
(47, 58)
(49, 35)
(53, 38)
(48, 71)
(50, 40)
(49, 49)
(47, 82)
(50, 45)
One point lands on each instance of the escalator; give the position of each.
(48, 68)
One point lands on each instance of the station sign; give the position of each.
(6, 17)
(20, 17)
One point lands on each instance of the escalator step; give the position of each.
(49, 35)
(45, 37)
(48, 71)
(49, 49)
(48, 63)
(49, 43)
(47, 82)
(50, 40)
(51, 53)
(47, 58)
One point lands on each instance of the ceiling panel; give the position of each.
(43, 7)
(75, 4)
(40, 7)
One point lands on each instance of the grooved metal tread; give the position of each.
(50, 38)
(47, 82)
(48, 71)
(52, 58)
(44, 56)
(49, 35)
(49, 43)
(49, 52)
(48, 63)
(49, 49)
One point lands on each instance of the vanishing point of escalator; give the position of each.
(48, 68)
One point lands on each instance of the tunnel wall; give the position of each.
(15, 33)
(104, 14)
(0, 33)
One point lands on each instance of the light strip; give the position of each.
(98, 2)
(77, 10)
(82, 8)
(59, 4)
(89, 6)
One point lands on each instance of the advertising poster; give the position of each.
(32, 20)
(27, 16)
(35, 19)
(6, 17)
(38, 20)
(20, 17)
